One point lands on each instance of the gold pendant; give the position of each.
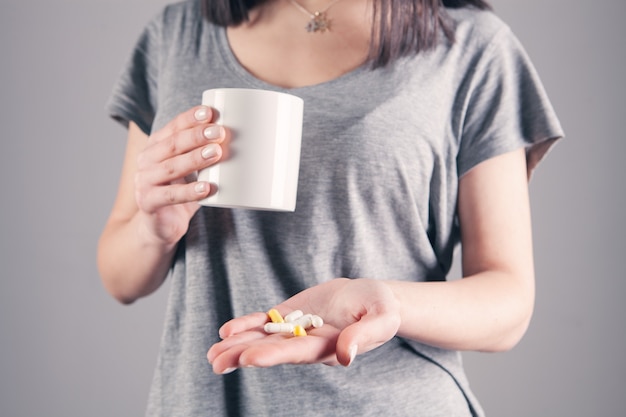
(318, 23)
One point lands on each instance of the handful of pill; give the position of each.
(295, 322)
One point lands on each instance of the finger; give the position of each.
(241, 324)
(279, 349)
(157, 197)
(371, 331)
(220, 353)
(180, 143)
(178, 167)
(226, 363)
(195, 116)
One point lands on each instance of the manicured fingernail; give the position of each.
(201, 114)
(353, 350)
(209, 151)
(212, 132)
(200, 187)
(228, 371)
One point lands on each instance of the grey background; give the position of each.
(68, 349)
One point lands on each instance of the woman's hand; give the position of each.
(164, 191)
(359, 315)
(488, 310)
(155, 201)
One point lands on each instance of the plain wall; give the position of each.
(68, 349)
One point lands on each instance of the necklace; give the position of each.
(318, 22)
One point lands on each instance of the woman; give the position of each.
(423, 122)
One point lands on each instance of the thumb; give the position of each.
(371, 331)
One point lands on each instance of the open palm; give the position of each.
(359, 315)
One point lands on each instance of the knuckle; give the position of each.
(141, 200)
(141, 160)
(198, 135)
(184, 119)
(141, 193)
(171, 145)
(169, 195)
(139, 181)
(169, 168)
(198, 159)
(177, 123)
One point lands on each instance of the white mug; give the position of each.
(260, 170)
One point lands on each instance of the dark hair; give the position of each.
(401, 27)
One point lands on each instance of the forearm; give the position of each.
(154, 204)
(131, 264)
(489, 311)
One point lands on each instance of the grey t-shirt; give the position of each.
(382, 154)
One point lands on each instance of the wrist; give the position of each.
(151, 237)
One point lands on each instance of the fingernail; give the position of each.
(210, 151)
(200, 187)
(201, 114)
(353, 350)
(228, 371)
(212, 132)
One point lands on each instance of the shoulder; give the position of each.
(184, 9)
(176, 16)
(477, 29)
(178, 24)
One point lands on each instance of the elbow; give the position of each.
(510, 338)
(113, 279)
(516, 312)
(126, 291)
(123, 298)
(508, 342)
(117, 292)
(114, 286)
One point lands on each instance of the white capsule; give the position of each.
(278, 327)
(305, 321)
(317, 321)
(294, 315)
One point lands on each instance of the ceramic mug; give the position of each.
(262, 158)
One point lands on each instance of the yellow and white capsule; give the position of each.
(275, 316)
(299, 331)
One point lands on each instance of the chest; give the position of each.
(277, 48)
(390, 125)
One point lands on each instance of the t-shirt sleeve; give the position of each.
(507, 108)
(134, 96)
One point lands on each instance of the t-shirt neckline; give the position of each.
(254, 82)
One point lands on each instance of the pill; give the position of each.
(305, 321)
(299, 331)
(275, 316)
(294, 315)
(294, 323)
(317, 321)
(309, 320)
(278, 327)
